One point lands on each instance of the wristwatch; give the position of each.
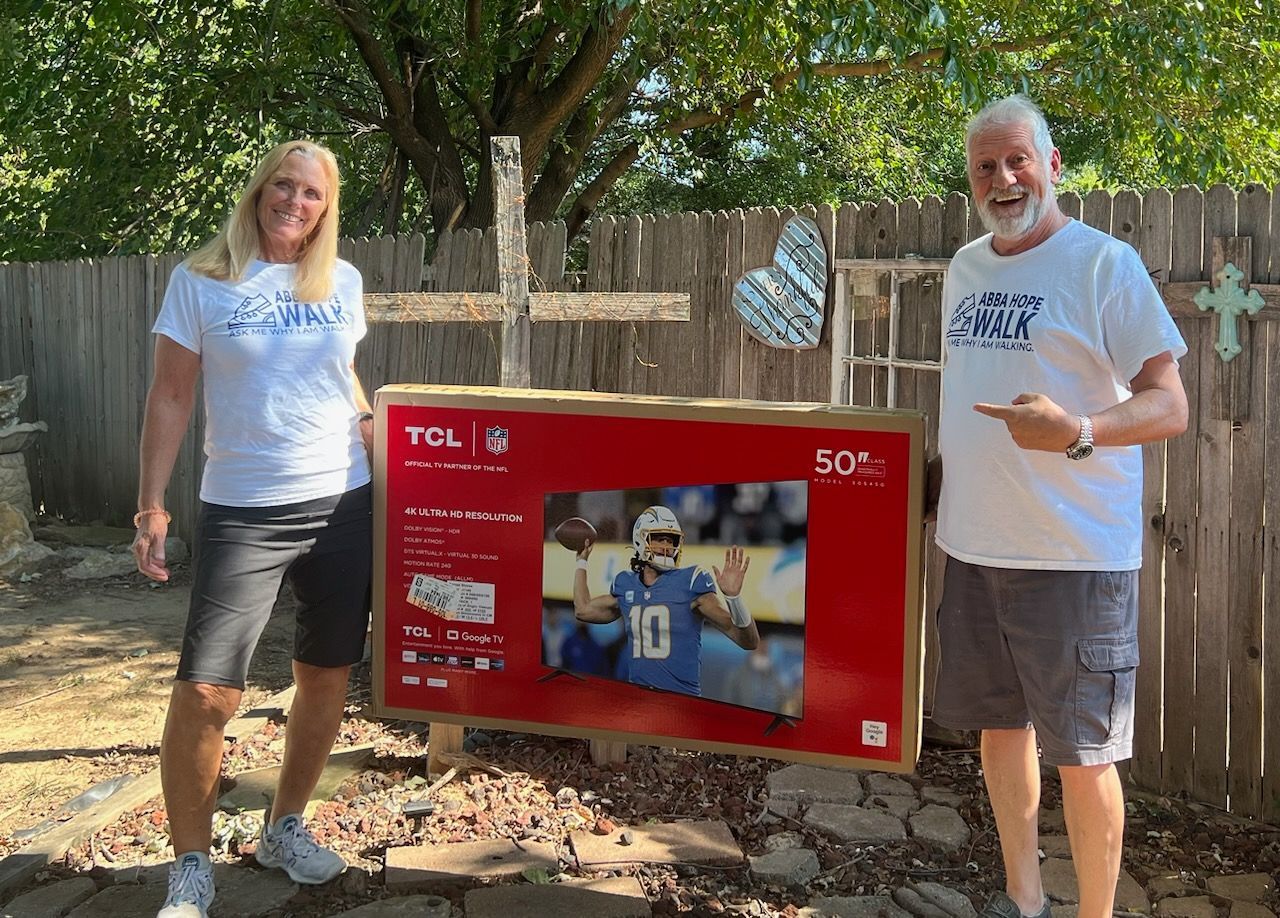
(1083, 447)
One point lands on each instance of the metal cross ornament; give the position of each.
(1229, 301)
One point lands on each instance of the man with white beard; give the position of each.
(1061, 359)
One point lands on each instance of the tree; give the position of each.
(409, 92)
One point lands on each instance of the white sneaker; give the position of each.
(288, 844)
(190, 887)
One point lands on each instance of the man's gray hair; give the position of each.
(1013, 110)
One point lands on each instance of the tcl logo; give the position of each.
(432, 436)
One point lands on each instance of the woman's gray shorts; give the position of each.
(241, 556)
(1057, 650)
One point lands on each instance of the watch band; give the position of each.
(1083, 447)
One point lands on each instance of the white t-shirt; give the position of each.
(1074, 318)
(279, 393)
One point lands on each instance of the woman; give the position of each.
(270, 317)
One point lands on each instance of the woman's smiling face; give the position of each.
(290, 205)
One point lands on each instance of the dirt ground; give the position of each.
(85, 671)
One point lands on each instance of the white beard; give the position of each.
(1012, 227)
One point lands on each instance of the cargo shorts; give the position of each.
(1053, 650)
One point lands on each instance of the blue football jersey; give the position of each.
(664, 635)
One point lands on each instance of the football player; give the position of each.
(663, 604)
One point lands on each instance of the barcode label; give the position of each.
(439, 597)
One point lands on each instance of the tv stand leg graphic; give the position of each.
(780, 720)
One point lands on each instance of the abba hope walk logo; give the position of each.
(994, 320)
(284, 315)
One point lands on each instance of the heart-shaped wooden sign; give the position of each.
(782, 305)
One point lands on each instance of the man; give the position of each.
(1055, 331)
(663, 605)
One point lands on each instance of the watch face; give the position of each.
(1083, 451)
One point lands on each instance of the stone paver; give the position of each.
(700, 842)
(245, 891)
(901, 807)
(54, 900)
(1052, 822)
(941, 826)
(615, 897)
(917, 905)
(242, 892)
(888, 786)
(402, 907)
(951, 901)
(1130, 896)
(1250, 910)
(789, 867)
(1055, 845)
(941, 795)
(122, 902)
(413, 865)
(806, 784)
(1189, 907)
(853, 907)
(784, 840)
(1163, 887)
(855, 824)
(1059, 878)
(1247, 887)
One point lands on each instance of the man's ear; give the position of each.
(1055, 167)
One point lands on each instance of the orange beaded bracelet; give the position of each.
(137, 517)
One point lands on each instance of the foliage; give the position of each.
(129, 125)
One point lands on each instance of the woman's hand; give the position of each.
(148, 545)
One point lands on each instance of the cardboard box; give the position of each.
(475, 620)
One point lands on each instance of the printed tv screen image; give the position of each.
(696, 589)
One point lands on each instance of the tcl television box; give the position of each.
(722, 575)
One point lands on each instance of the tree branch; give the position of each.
(585, 204)
(473, 21)
(566, 158)
(919, 61)
(356, 20)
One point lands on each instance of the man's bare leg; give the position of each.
(1011, 769)
(1093, 804)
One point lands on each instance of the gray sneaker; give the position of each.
(1001, 906)
(289, 845)
(190, 887)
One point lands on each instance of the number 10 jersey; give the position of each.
(664, 635)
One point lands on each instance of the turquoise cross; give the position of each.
(1228, 301)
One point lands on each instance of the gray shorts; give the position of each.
(1056, 650)
(242, 555)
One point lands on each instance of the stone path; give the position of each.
(850, 808)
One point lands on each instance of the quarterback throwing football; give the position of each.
(663, 604)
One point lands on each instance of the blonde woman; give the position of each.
(269, 317)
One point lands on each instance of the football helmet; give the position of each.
(653, 522)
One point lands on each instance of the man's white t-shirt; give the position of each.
(1074, 318)
(279, 393)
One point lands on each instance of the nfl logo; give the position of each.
(495, 440)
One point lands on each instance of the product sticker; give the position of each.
(453, 600)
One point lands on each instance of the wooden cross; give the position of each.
(515, 307)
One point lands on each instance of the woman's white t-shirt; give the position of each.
(1074, 318)
(279, 392)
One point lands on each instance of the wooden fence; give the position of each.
(1209, 584)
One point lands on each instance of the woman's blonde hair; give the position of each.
(227, 255)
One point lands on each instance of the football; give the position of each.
(574, 532)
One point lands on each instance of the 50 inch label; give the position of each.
(841, 462)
